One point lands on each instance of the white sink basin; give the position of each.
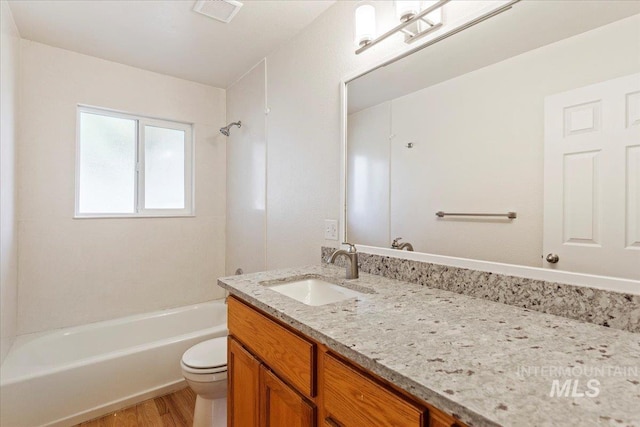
(314, 291)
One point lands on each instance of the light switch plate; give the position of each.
(331, 229)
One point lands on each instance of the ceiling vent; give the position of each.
(221, 10)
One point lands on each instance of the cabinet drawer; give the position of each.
(440, 419)
(286, 353)
(352, 399)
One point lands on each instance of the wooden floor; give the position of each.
(174, 409)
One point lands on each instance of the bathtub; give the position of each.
(66, 376)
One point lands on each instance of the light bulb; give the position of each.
(365, 24)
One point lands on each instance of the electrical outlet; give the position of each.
(331, 229)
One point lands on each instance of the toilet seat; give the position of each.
(206, 357)
(202, 371)
(204, 375)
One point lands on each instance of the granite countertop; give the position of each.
(485, 362)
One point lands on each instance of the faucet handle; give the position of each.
(396, 242)
(352, 247)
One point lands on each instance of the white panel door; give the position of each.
(592, 179)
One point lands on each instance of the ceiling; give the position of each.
(167, 37)
(528, 25)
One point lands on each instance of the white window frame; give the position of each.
(141, 122)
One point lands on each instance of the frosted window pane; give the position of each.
(164, 168)
(107, 164)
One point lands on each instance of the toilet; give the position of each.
(204, 366)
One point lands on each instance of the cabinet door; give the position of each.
(243, 386)
(282, 406)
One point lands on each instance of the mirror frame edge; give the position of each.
(343, 232)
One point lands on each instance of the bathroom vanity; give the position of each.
(409, 355)
(277, 374)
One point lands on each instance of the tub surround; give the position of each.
(606, 308)
(9, 108)
(462, 354)
(78, 271)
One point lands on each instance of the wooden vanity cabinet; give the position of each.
(271, 372)
(281, 378)
(257, 397)
(286, 352)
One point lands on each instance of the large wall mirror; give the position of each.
(535, 111)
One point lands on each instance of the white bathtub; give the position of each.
(65, 376)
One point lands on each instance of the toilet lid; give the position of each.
(207, 354)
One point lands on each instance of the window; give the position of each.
(132, 166)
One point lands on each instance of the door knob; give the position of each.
(552, 258)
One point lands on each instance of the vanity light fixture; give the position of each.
(415, 21)
(365, 24)
(431, 19)
(406, 9)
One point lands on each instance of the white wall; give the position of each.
(246, 173)
(9, 73)
(303, 135)
(479, 142)
(74, 271)
(303, 130)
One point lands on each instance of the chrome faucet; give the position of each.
(400, 246)
(352, 255)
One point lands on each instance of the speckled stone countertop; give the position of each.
(485, 362)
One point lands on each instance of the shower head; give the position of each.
(225, 130)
